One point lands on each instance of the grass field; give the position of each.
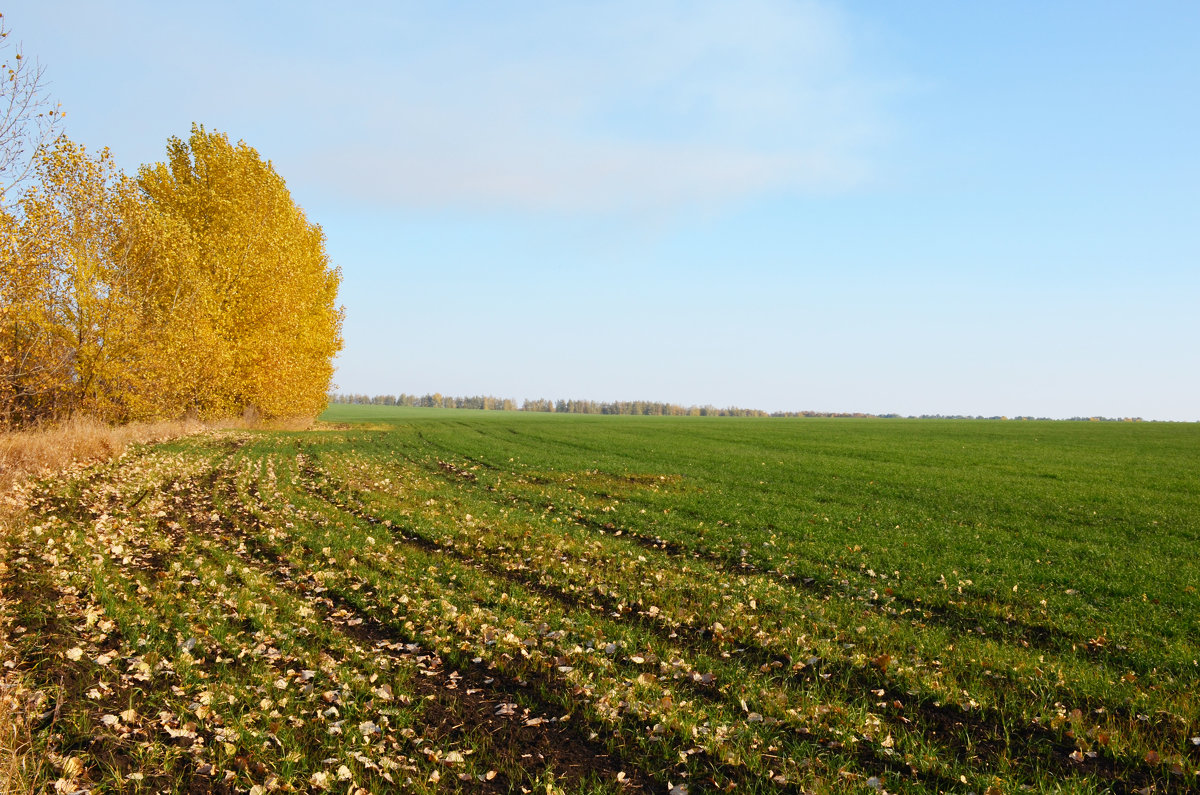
(507, 602)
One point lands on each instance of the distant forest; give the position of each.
(490, 403)
(644, 408)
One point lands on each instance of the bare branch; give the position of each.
(29, 119)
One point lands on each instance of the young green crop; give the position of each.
(494, 601)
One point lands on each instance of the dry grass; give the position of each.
(39, 452)
(32, 454)
(24, 456)
(288, 424)
(81, 440)
(18, 765)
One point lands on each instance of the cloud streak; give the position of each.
(625, 106)
(564, 106)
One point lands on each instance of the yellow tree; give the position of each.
(96, 297)
(74, 302)
(260, 285)
(33, 370)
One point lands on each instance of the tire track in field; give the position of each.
(567, 601)
(954, 617)
(478, 699)
(606, 608)
(759, 656)
(113, 750)
(957, 617)
(946, 722)
(274, 568)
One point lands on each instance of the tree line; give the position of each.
(197, 287)
(646, 408)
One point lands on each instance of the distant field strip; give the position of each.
(464, 602)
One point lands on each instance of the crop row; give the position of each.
(254, 612)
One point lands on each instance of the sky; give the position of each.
(913, 208)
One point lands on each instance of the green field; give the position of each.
(506, 602)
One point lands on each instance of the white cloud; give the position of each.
(549, 172)
(571, 106)
(607, 107)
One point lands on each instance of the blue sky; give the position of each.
(926, 207)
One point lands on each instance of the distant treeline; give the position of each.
(641, 408)
(490, 403)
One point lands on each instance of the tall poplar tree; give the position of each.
(78, 276)
(261, 291)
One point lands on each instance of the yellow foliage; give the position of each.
(265, 324)
(198, 289)
(71, 299)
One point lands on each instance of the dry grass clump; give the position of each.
(288, 424)
(40, 451)
(82, 440)
(25, 455)
(18, 765)
(30, 454)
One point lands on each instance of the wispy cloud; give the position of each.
(621, 105)
(571, 106)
